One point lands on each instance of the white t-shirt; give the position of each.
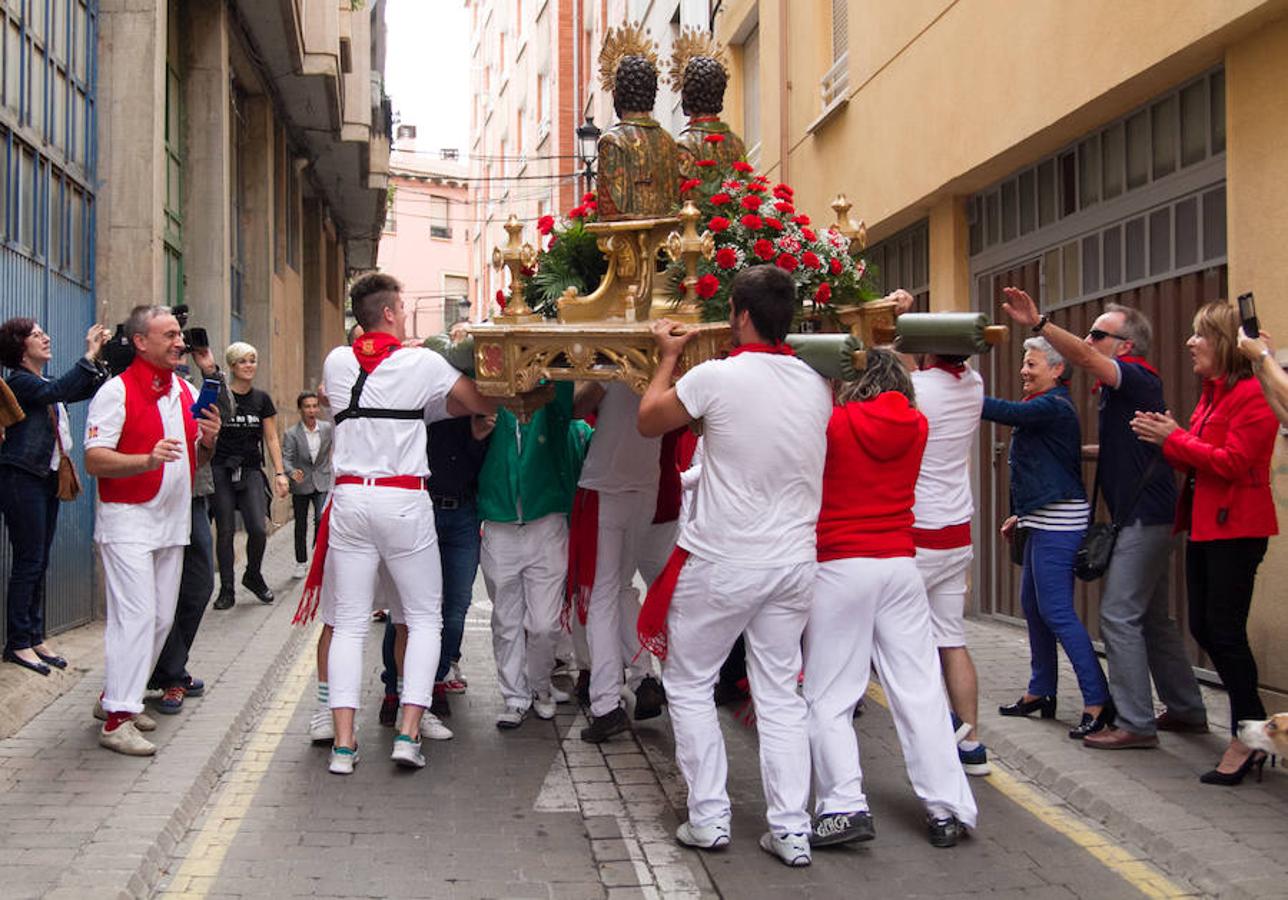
(166, 519)
(764, 440)
(952, 407)
(410, 378)
(620, 459)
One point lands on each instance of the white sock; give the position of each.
(968, 745)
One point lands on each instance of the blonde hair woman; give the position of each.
(238, 472)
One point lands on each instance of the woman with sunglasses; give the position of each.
(1227, 507)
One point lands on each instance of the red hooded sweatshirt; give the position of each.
(874, 453)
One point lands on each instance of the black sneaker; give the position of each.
(389, 710)
(255, 584)
(649, 699)
(583, 687)
(842, 828)
(225, 600)
(438, 703)
(601, 728)
(945, 832)
(728, 692)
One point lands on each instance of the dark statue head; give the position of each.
(702, 93)
(635, 89)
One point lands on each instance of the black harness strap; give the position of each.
(354, 411)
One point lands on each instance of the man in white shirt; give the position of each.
(142, 443)
(619, 483)
(745, 556)
(382, 395)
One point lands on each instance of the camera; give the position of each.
(118, 352)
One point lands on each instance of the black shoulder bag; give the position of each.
(1097, 547)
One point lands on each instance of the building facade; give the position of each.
(535, 78)
(426, 241)
(228, 155)
(1090, 153)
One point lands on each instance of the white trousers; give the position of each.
(394, 526)
(524, 567)
(712, 605)
(142, 587)
(624, 522)
(656, 549)
(868, 610)
(944, 574)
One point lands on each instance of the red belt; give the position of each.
(408, 482)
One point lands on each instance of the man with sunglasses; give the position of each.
(1141, 640)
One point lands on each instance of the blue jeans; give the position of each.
(458, 548)
(30, 507)
(1046, 594)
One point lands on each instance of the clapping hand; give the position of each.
(1153, 427)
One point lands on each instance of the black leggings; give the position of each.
(1218, 577)
(250, 498)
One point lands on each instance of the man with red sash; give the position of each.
(143, 444)
(1141, 639)
(381, 396)
(745, 556)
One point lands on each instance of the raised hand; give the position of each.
(1020, 306)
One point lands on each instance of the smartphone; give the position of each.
(208, 396)
(1248, 313)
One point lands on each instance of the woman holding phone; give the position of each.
(237, 467)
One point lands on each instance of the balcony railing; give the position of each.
(836, 81)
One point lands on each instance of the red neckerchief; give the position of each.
(373, 348)
(696, 120)
(954, 369)
(1134, 360)
(152, 380)
(773, 349)
(1035, 396)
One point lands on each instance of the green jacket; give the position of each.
(531, 470)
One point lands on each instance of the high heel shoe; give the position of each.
(1022, 707)
(1093, 724)
(1256, 759)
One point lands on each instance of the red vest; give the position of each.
(142, 429)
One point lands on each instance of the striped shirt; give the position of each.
(1059, 515)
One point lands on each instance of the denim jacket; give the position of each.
(29, 445)
(1046, 448)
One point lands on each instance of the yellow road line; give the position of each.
(1136, 871)
(200, 870)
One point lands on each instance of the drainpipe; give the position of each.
(784, 88)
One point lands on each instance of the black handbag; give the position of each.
(1097, 547)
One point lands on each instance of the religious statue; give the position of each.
(638, 166)
(699, 74)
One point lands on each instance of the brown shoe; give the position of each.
(1120, 739)
(1168, 722)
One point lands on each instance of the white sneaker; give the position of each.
(343, 760)
(321, 726)
(544, 706)
(512, 717)
(792, 849)
(432, 727)
(407, 753)
(704, 837)
(301, 570)
(559, 696)
(125, 738)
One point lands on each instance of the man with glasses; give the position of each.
(1141, 640)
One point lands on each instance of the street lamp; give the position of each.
(588, 137)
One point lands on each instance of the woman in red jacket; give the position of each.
(1228, 510)
(870, 608)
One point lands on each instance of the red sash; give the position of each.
(583, 547)
(948, 538)
(145, 385)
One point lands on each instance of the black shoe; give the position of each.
(1092, 724)
(389, 710)
(1022, 707)
(583, 687)
(52, 659)
(945, 832)
(728, 692)
(225, 600)
(841, 828)
(649, 699)
(1256, 760)
(439, 705)
(601, 728)
(257, 587)
(37, 667)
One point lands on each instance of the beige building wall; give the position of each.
(942, 99)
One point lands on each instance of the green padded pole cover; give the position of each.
(944, 334)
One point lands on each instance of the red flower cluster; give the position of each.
(783, 192)
(784, 207)
(718, 224)
(775, 224)
(823, 294)
(744, 168)
(726, 257)
(751, 202)
(714, 139)
(801, 219)
(690, 185)
(705, 163)
(731, 185)
(721, 199)
(787, 261)
(757, 188)
(588, 197)
(764, 249)
(835, 268)
(808, 234)
(500, 298)
(811, 260)
(545, 225)
(707, 286)
(752, 222)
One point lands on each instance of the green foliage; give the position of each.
(572, 258)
